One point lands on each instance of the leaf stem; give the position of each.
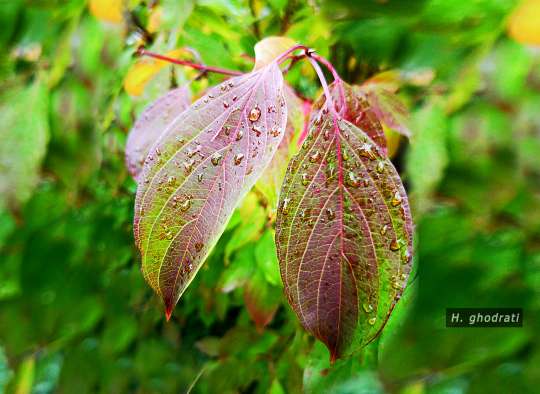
(217, 70)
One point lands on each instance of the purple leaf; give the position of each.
(205, 162)
(343, 234)
(151, 124)
(387, 107)
(357, 111)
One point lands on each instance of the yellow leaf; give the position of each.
(144, 70)
(154, 21)
(393, 139)
(107, 10)
(270, 48)
(524, 23)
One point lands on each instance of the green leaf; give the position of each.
(23, 141)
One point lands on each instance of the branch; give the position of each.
(223, 71)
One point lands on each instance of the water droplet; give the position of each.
(188, 165)
(238, 158)
(198, 246)
(275, 131)
(235, 98)
(216, 157)
(171, 180)
(368, 308)
(227, 130)
(380, 167)
(194, 151)
(225, 104)
(366, 151)
(185, 205)
(396, 285)
(395, 245)
(315, 157)
(305, 179)
(396, 200)
(285, 206)
(239, 135)
(257, 130)
(304, 213)
(330, 214)
(200, 177)
(406, 256)
(158, 152)
(254, 114)
(169, 235)
(345, 155)
(384, 229)
(352, 179)
(372, 321)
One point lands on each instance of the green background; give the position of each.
(75, 313)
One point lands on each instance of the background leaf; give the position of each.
(23, 141)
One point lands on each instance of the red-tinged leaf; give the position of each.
(262, 300)
(270, 181)
(387, 107)
(198, 171)
(344, 235)
(357, 111)
(151, 124)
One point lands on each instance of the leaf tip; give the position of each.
(168, 312)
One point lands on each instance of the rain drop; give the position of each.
(238, 158)
(352, 179)
(216, 157)
(305, 179)
(239, 135)
(285, 206)
(330, 214)
(254, 114)
(185, 205)
(315, 157)
(396, 200)
(368, 308)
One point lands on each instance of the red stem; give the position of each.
(144, 52)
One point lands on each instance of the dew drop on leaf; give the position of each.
(315, 157)
(368, 308)
(216, 157)
(396, 200)
(254, 114)
(238, 158)
(185, 205)
(239, 135)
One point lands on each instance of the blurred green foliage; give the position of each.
(75, 313)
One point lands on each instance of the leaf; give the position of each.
(107, 10)
(262, 300)
(270, 181)
(151, 124)
(23, 141)
(268, 49)
(343, 234)
(202, 166)
(344, 376)
(523, 24)
(387, 107)
(144, 69)
(358, 111)
(427, 151)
